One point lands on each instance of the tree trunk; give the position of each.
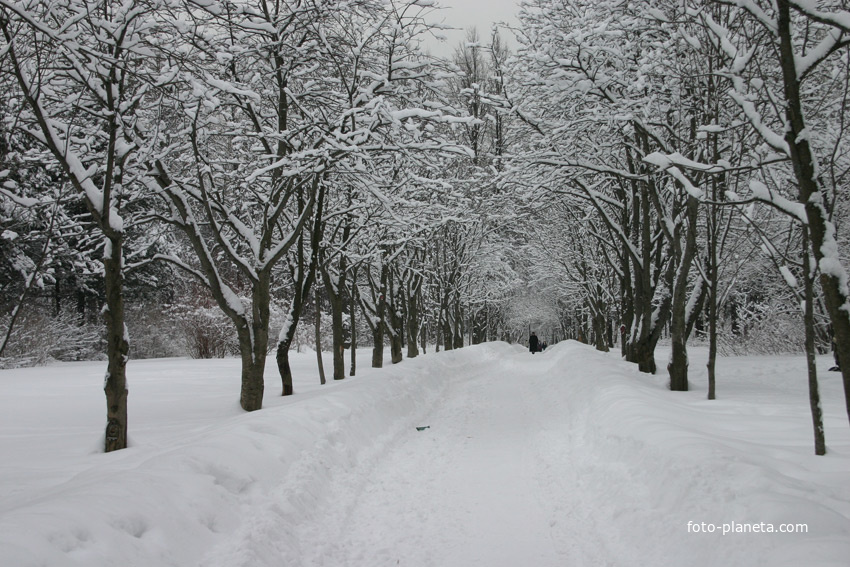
(643, 354)
(446, 330)
(713, 234)
(643, 316)
(396, 346)
(335, 287)
(811, 355)
(303, 273)
(337, 308)
(283, 365)
(118, 347)
(394, 316)
(712, 324)
(458, 326)
(378, 346)
(678, 366)
(821, 231)
(413, 317)
(253, 384)
(627, 316)
(597, 310)
(379, 324)
(478, 327)
(352, 312)
(396, 331)
(712, 297)
(254, 344)
(599, 332)
(319, 339)
(642, 350)
(287, 335)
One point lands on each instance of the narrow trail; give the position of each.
(468, 490)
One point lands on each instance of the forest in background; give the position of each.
(216, 178)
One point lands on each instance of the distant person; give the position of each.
(533, 342)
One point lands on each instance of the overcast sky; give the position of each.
(468, 13)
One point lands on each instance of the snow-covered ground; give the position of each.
(564, 458)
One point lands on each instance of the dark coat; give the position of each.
(533, 343)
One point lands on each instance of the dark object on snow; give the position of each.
(533, 342)
(835, 369)
(423, 428)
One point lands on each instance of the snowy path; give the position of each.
(519, 468)
(473, 489)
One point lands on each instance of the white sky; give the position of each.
(468, 13)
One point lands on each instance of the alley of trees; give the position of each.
(247, 177)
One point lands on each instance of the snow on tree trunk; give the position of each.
(378, 346)
(379, 324)
(352, 314)
(334, 278)
(336, 302)
(413, 316)
(457, 329)
(834, 280)
(253, 385)
(318, 328)
(678, 366)
(118, 346)
(394, 316)
(599, 332)
(283, 366)
(287, 332)
(811, 352)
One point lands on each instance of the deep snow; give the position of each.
(564, 458)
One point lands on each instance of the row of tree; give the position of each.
(635, 169)
(260, 149)
(679, 144)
